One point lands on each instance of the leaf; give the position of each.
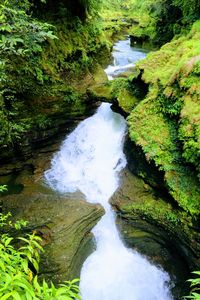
(36, 284)
(7, 242)
(29, 297)
(6, 296)
(16, 295)
(2, 265)
(23, 239)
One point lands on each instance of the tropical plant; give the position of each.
(195, 287)
(19, 267)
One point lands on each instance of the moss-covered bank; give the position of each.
(163, 146)
(45, 71)
(150, 224)
(166, 123)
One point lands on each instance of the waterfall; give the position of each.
(90, 160)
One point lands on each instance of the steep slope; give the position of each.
(46, 69)
(166, 123)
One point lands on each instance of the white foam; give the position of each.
(90, 160)
(124, 58)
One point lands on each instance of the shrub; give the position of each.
(19, 268)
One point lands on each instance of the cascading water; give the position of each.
(90, 160)
(124, 57)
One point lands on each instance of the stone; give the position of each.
(63, 221)
(155, 237)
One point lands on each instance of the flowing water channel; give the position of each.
(124, 58)
(90, 160)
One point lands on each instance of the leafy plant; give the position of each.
(21, 42)
(17, 278)
(3, 188)
(195, 286)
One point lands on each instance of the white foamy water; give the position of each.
(90, 160)
(124, 57)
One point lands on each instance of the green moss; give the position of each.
(158, 138)
(161, 214)
(137, 198)
(126, 100)
(125, 93)
(101, 92)
(166, 123)
(119, 90)
(189, 131)
(54, 78)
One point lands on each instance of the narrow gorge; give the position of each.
(99, 143)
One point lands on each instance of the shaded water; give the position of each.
(90, 160)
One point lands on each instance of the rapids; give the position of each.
(90, 160)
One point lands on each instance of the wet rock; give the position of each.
(138, 165)
(51, 117)
(143, 219)
(63, 222)
(61, 121)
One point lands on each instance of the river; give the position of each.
(90, 160)
(124, 58)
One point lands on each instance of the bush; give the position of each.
(19, 268)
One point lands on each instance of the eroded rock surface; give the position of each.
(63, 221)
(143, 218)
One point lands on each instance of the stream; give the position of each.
(124, 58)
(90, 161)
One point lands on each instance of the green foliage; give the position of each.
(157, 136)
(21, 35)
(92, 6)
(166, 124)
(17, 278)
(3, 188)
(20, 48)
(35, 64)
(158, 21)
(190, 9)
(111, 5)
(195, 287)
(41, 121)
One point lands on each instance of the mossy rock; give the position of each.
(126, 100)
(165, 124)
(151, 224)
(101, 92)
(64, 223)
(157, 136)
